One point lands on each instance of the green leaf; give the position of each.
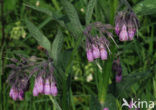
(130, 80)
(10, 4)
(57, 45)
(35, 32)
(89, 11)
(55, 103)
(146, 7)
(55, 16)
(74, 26)
(43, 10)
(65, 57)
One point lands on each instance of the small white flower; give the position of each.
(37, 3)
(82, 10)
(89, 78)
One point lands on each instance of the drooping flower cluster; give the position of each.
(118, 70)
(45, 85)
(97, 46)
(16, 94)
(18, 89)
(21, 72)
(126, 25)
(18, 79)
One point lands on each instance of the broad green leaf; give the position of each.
(43, 10)
(74, 26)
(55, 16)
(89, 11)
(146, 7)
(35, 32)
(65, 57)
(57, 45)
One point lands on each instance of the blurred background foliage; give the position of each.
(57, 26)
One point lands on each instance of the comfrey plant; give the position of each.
(21, 72)
(126, 25)
(97, 46)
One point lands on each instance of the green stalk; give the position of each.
(105, 82)
(55, 104)
(55, 4)
(104, 79)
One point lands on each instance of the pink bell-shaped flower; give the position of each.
(47, 89)
(96, 52)
(90, 55)
(53, 89)
(40, 84)
(123, 36)
(35, 91)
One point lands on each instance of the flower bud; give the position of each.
(131, 29)
(131, 34)
(117, 29)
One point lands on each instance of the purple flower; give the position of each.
(117, 29)
(118, 78)
(96, 52)
(131, 34)
(90, 55)
(93, 42)
(106, 109)
(53, 89)
(16, 94)
(20, 95)
(129, 22)
(47, 89)
(103, 52)
(123, 36)
(39, 84)
(11, 92)
(35, 92)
